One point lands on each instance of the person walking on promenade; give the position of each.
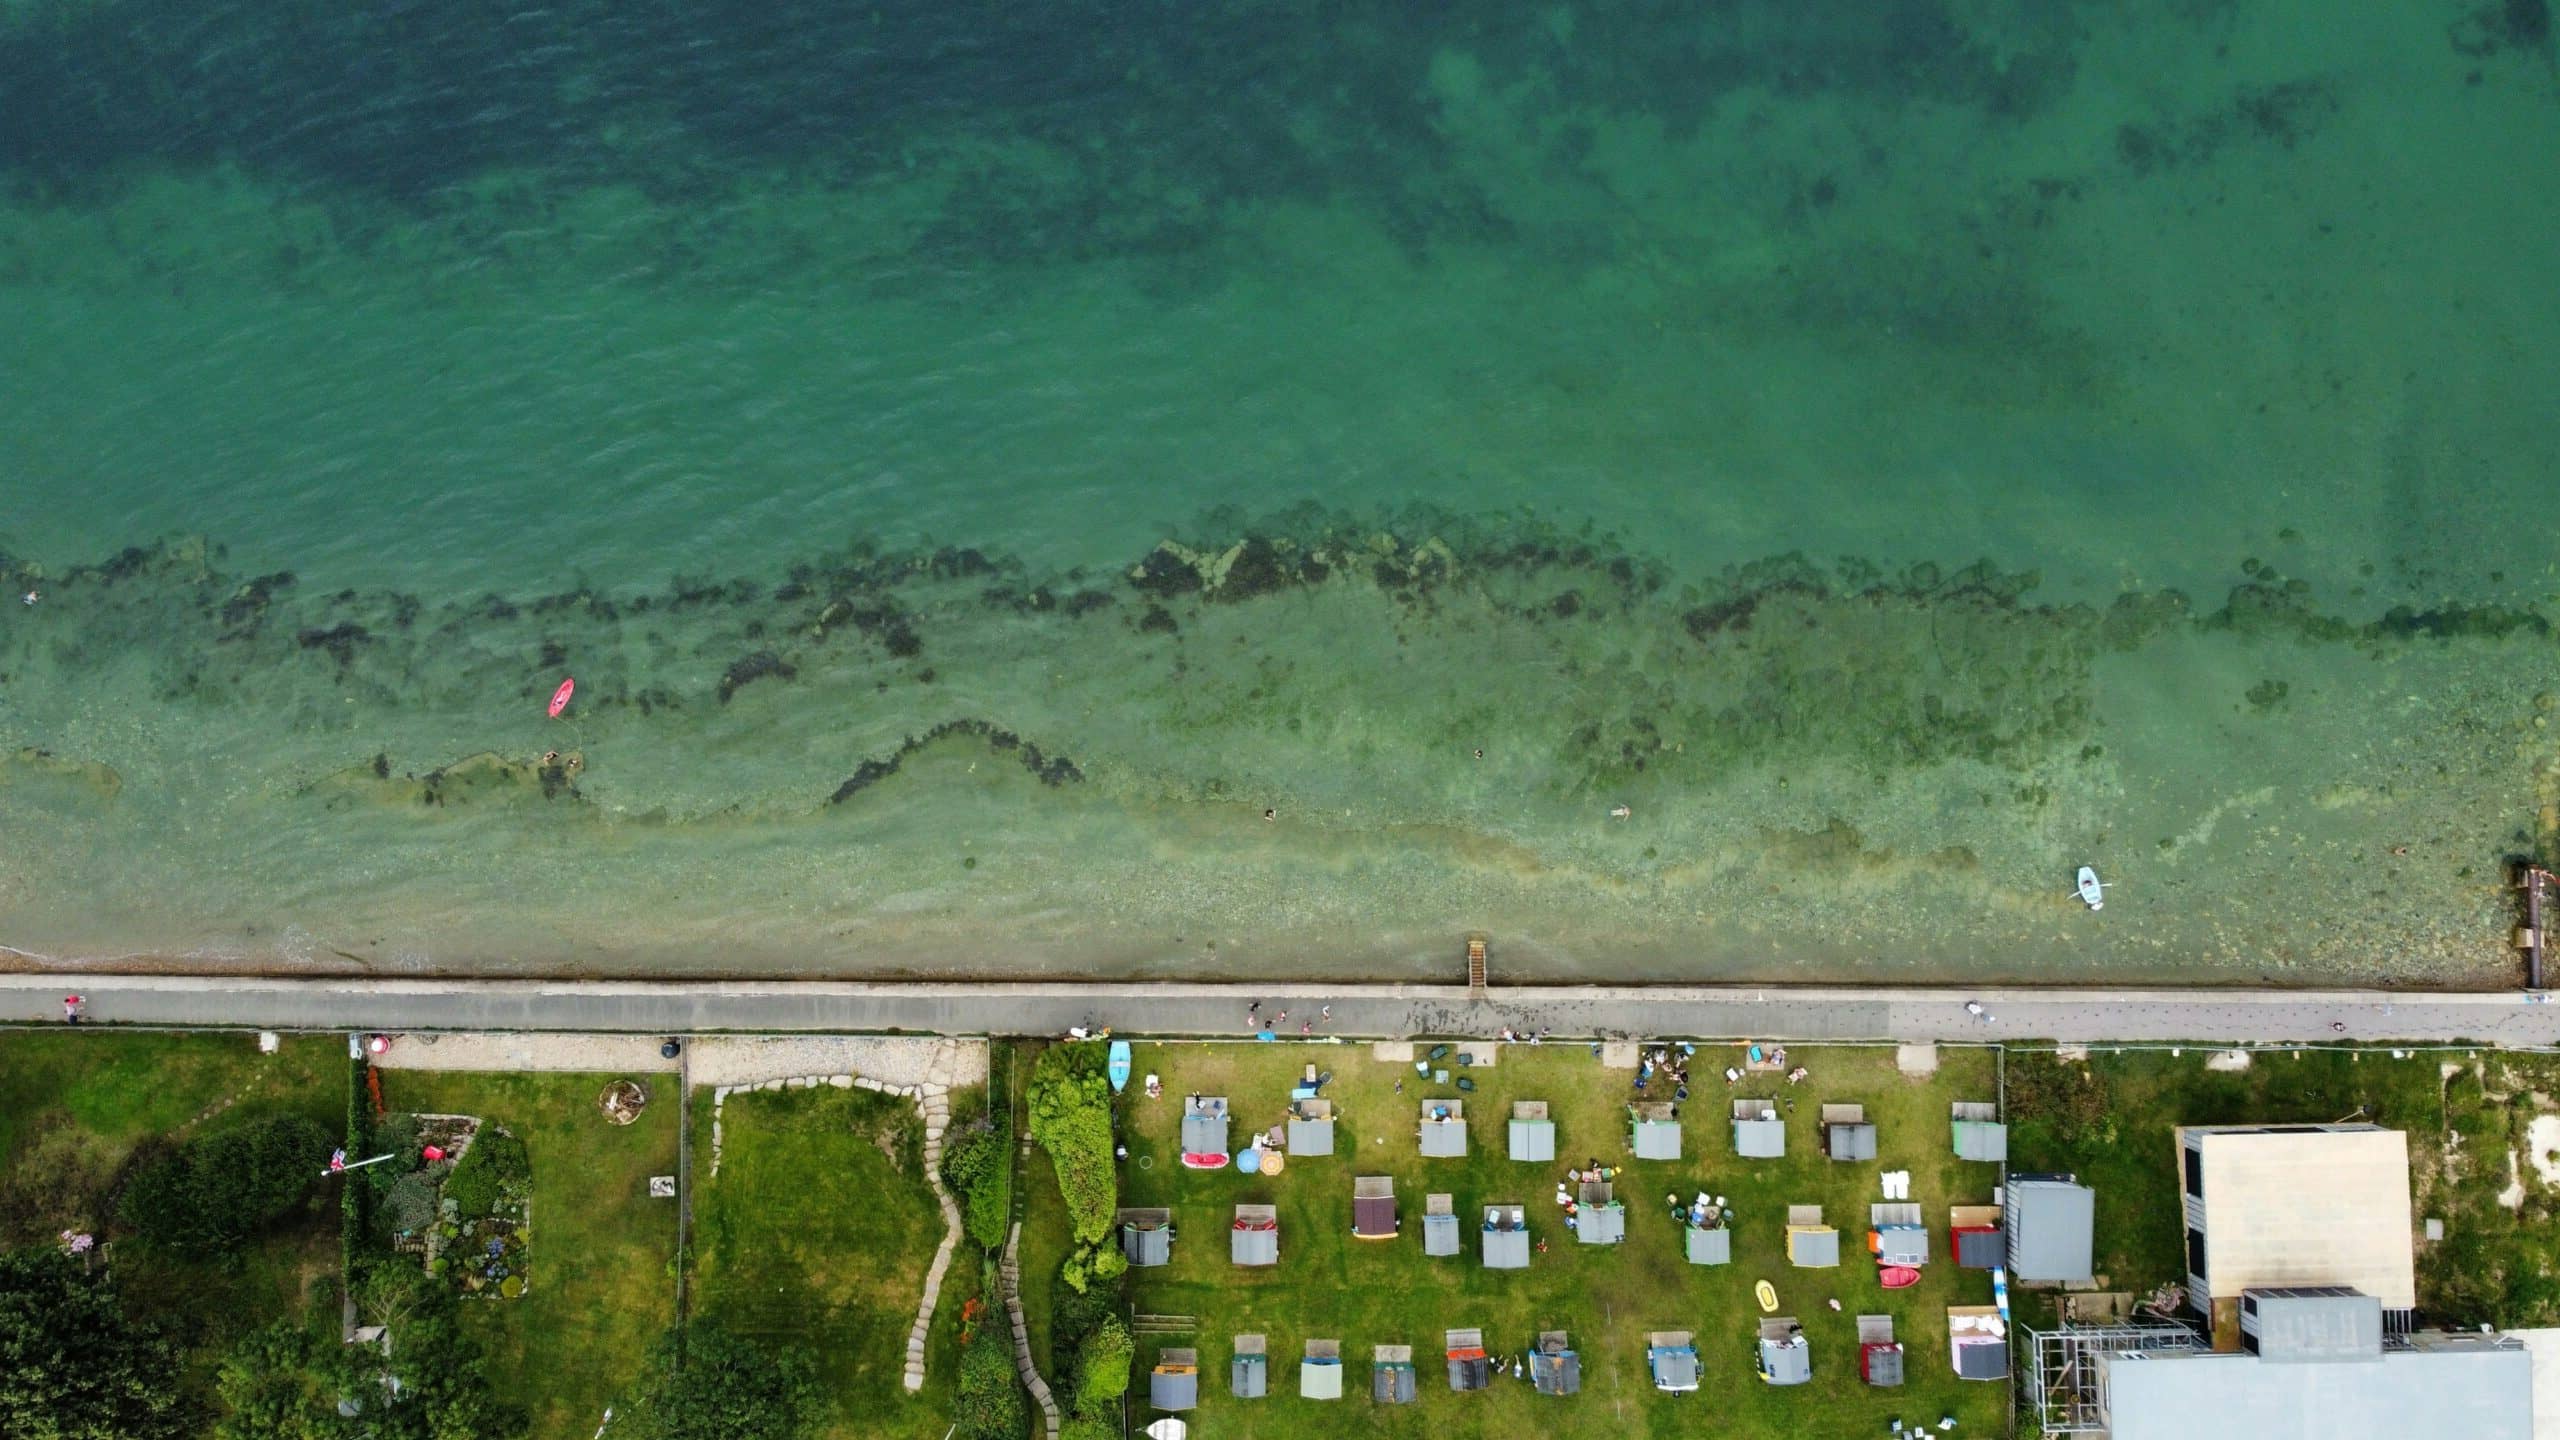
(71, 1009)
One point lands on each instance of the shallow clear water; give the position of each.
(803, 379)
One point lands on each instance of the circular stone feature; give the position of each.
(623, 1100)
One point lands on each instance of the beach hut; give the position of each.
(1758, 1133)
(1320, 1371)
(1974, 1234)
(1533, 1135)
(1443, 1129)
(1554, 1368)
(1709, 1245)
(1439, 1225)
(1599, 1218)
(1311, 1128)
(1672, 1361)
(1469, 1367)
(1254, 1238)
(1846, 1135)
(1879, 1354)
(2051, 1225)
(1373, 1207)
(1978, 1342)
(1391, 1374)
(1506, 1237)
(1175, 1382)
(1653, 1132)
(1204, 1132)
(1897, 1235)
(1811, 1245)
(1785, 1357)
(1249, 1373)
(1979, 1135)
(1146, 1236)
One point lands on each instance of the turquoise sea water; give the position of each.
(1896, 450)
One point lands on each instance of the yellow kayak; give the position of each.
(1768, 1294)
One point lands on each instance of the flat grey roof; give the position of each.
(1786, 1362)
(1981, 1250)
(1253, 1247)
(1710, 1247)
(2476, 1392)
(1173, 1390)
(1556, 1374)
(1851, 1142)
(1982, 1140)
(1813, 1249)
(2050, 1224)
(1759, 1139)
(1902, 1245)
(1656, 1140)
(1320, 1379)
(1673, 1369)
(1980, 1359)
(1603, 1225)
(1533, 1140)
(1882, 1364)
(1146, 1247)
(1204, 1134)
(1249, 1377)
(1439, 1234)
(1506, 1249)
(2329, 1324)
(1310, 1137)
(1444, 1139)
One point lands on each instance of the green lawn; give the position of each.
(603, 1286)
(74, 1105)
(818, 1232)
(1046, 1238)
(1365, 1293)
(2111, 1120)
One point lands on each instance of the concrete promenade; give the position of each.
(1359, 1012)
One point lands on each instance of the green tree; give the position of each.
(426, 1383)
(278, 1384)
(72, 1366)
(709, 1383)
(1102, 1367)
(1071, 1118)
(978, 1164)
(218, 1190)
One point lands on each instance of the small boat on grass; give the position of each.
(1119, 1071)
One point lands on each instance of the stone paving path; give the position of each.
(933, 1098)
(1031, 1381)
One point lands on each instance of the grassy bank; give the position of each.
(603, 1287)
(1364, 1293)
(817, 1232)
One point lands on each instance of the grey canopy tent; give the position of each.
(1533, 1135)
(1758, 1133)
(1175, 1382)
(1506, 1237)
(1254, 1237)
(1785, 1356)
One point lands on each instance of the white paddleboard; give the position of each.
(2093, 894)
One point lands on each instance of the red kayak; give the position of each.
(1898, 1277)
(560, 697)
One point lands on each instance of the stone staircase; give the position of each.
(933, 1098)
(1011, 1271)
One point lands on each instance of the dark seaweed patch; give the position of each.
(763, 664)
(340, 640)
(1051, 770)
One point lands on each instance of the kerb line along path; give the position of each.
(1360, 1012)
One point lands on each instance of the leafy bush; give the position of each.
(713, 1384)
(1071, 1118)
(218, 1190)
(1086, 1427)
(1102, 1367)
(991, 1405)
(1076, 1314)
(492, 1170)
(978, 1167)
